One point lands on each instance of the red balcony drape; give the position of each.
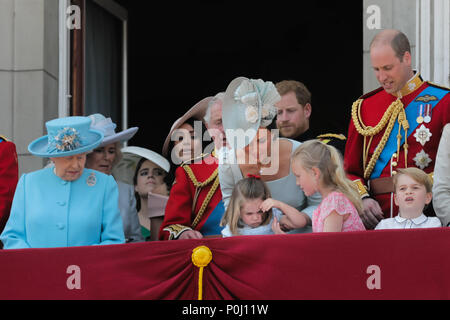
(412, 264)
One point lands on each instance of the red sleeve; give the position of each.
(9, 175)
(353, 154)
(179, 205)
(446, 106)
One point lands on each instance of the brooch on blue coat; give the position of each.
(91, 180)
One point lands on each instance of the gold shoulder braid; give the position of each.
(394, 112)
(332, 135)
(198, 187)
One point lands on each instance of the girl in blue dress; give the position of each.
(244, 215)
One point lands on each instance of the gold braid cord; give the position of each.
(394, 112)
(206, 202)
(199, 185)
(332, 135)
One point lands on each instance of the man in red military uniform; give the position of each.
(195, 206)
(405, 106)
(9, 174)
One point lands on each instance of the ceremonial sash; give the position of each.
(212, 225)
(434, 95)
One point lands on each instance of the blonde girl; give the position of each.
(244, 215)
(318, 168)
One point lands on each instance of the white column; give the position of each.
(424, 39)
(64, 60)
(441, 42)
(433, 48)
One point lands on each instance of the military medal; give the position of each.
(423, 135)
(91, 180)
(422, 160)
(427, 117)
(420, 117)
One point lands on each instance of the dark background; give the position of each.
(181, 52)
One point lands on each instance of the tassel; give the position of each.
(201, 257)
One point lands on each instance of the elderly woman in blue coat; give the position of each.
(65, 205)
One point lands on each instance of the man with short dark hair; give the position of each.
(398, 125)
(294, 112)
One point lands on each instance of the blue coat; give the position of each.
(50, 212)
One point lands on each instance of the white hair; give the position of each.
(217, 98)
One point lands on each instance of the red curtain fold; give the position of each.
(413, 264)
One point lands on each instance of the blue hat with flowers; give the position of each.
(66, 137)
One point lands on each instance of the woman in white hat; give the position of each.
(107, 154)
(65, 205)
(247, 114)
(148, 172)
(104, 158)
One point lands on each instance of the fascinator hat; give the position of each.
(66, 137)
(248, 105)
(105, 125)
(124, 170)
(198, 112)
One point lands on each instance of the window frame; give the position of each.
(72, 59)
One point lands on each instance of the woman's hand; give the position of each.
(159, 189)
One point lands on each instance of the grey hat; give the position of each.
(247, 105)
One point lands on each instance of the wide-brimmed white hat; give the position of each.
(105, 125)
(248, 104)
(125, 169)
(198, 112)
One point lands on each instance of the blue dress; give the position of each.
(50, 212)
(249, 231)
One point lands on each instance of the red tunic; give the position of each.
(179, 215)
(9, 175)
(373, 108)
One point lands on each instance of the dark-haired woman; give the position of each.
(151, 183)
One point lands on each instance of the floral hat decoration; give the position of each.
(66, 137)
(248, 105)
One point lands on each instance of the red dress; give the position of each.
(9, 175)
(421, 152)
